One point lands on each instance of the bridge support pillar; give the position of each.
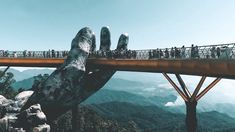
(75, 118)
(191, 100)
(191, 116)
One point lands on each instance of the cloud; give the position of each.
(222, 92)
(149, 89)
(179, 101)
(165, 85)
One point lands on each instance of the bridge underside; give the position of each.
(200, 67)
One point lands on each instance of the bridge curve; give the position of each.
(206, 61)
(209, 60)
(200, 67)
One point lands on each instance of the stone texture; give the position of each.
(72, 83)
(41, 128)
(15, 121)
(22, 98)
(67, 86)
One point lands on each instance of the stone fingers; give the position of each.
(60, 87)
(80, 49)
(123, 42)
(101, 76)
(105, 39)
(93, 46)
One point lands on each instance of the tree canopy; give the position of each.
(6, 80)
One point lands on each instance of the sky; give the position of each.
(52, 24)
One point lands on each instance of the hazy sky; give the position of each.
(51, 24)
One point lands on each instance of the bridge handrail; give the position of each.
(218, 51)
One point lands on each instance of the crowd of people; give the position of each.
(167, 53)
(34, 54)
(172, 53)
(192, 52)
(115, 54)
(55, 54)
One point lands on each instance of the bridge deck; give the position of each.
(201, 67)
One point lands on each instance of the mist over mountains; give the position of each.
(145, 99)
(128, 117)
(133, 101)
(137, 88)
(21, 75)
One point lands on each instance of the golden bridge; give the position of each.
(207, 61)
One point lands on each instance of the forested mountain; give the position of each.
(127, 104)
(125, 117)
(21, 75)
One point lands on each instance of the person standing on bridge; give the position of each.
(133, 54)
(161, 53)
(29, 53)
(33, 52)
(24, 53)
(14, 54)
(154, 54)
(150, 54)
(218, 52)
(177, 53)
(166, 53)
(53, 53)
(48, 54)
(44, 54)
(128, 54)
(6, 53)
(1, 53)
(157, 56)
(57, 54)
(172, 53)
(196, 52)
(192, 51)
(213, 52)
(62, 54)
(183, 52)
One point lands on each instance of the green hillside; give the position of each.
(127, 117)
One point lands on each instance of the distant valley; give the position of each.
(142, 101)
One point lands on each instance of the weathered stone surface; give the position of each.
(41, 128)
(11, 129)
(22, 98)
(15, 121)
(2, 99)
(13, 106)
(72, 83)
(31, 117)
(67, 86)
(62, 86)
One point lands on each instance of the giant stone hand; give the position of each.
(72, 83)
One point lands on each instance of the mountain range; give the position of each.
(21, 75)
(133, 99)
(128, 117)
